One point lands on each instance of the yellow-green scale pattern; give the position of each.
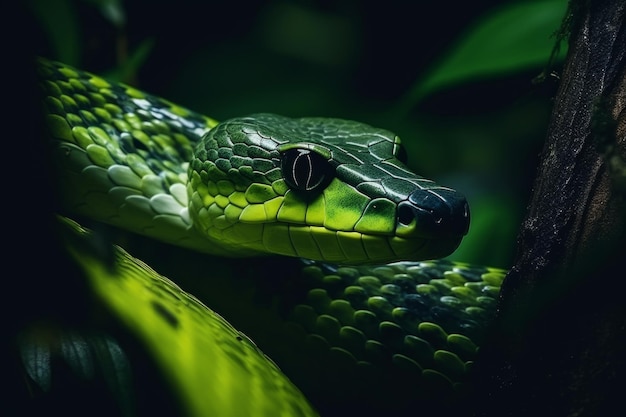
(122, 155)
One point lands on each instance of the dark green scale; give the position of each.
(401, 321)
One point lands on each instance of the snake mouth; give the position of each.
(340, 226)
(344, 247)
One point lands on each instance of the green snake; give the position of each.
(369, 307)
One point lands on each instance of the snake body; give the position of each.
(377, 310)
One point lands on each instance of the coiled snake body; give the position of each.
(372, 314)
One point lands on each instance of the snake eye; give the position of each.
(305, 170)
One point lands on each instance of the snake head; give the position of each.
(319, 188)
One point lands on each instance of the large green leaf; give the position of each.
(512, 38)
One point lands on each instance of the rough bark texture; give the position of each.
(558, 345)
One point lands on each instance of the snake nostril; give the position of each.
(405, 214)
(437, 212)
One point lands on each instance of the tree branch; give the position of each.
(558, 342)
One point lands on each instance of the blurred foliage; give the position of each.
(455, 81)
(496, 45)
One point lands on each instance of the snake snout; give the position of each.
(438, 212)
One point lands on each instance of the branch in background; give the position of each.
(558, 345)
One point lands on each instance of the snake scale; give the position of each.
(341, 245)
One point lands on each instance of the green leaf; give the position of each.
(127, 70)
(513, 38)
(112, 10)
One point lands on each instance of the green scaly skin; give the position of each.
(141, 163)
(195, 343)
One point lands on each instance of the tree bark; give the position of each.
(558, 344)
